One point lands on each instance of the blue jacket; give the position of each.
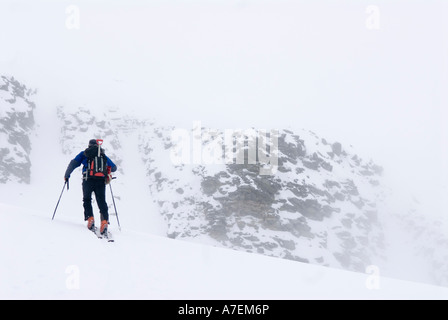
(82, 159)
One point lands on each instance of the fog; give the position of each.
(366, 73)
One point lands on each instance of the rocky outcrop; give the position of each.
(16, 125)
(319, 207)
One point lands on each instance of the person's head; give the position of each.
(93, 143)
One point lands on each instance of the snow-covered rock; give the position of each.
(16, 124)
(320, 203)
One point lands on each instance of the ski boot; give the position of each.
(103, 228)
(91, 223)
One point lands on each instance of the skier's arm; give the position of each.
(111, 165)
(75, 163)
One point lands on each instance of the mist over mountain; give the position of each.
(323, 204)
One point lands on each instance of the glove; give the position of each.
(109, 174)
(66, 181)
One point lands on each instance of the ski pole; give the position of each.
(57, 204)
(113, 200)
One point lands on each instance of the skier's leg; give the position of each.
(100, 195)
(87, 198)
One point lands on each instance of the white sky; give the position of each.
(268, 64)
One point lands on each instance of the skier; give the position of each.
(93, 182)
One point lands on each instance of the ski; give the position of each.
(108, 236)
(96, 231)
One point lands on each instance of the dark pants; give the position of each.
(97, 186)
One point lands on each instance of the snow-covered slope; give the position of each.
(324, 205)
(321, 197)
(61, 259)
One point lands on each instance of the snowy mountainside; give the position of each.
(16, 124)
(280, 214)
(64, 261)
(77, 128)
(121, 145)
(324, 205)
(319, 207)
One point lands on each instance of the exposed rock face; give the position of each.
(319, 207)
(78, 128)
(16, 124)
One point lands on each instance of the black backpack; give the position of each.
(96, 163)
